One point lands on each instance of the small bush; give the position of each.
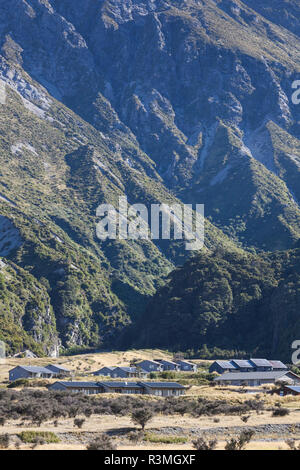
(4, 441)
(31, 437)
(203, 444)
(102, 443)
(165, 439)
(241, 442)
(79, 423)
(19, 383)
(280, 412)
(142, 417)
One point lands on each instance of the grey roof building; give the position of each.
(163, 389)
(58, 370)
(168, 365)
(278, 365)
(30, 372)
(150, 366)
(243, 365)
(122, 372)
(88, 388)
(121, 387)
(222, 366)
(261, 365)
(251, 365)
(187, 366)
(105, 371)
(129, 372)
(291, 390)
(255, 379)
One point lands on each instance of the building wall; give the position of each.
(149, 367)
(18, 373)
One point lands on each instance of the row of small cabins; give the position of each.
(141, 370)
(162, 389)
(252, 373)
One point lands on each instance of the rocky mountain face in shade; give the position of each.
(161, 101)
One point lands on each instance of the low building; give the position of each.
(129, 372)
(243, 365)
(221, 367)
(255, 379)
(278, 366)
(88, 388)
(30, 372)
(150, 366)
(169, 365)
(59, 371)
(105, 371)
(186, 366)
(128, 388)
(291, 390)
(162, 389)
(261, 365)
(122, 372)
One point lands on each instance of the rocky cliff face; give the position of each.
(158, 100)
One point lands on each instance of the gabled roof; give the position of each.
(133, 370)
(252, 376)
(165, 361)
(293, 388)
(241, 363)
(59, 367)
(149, 362)
(182, 361)
(119, 384)
(79, 384)
(162, 384)
(35, 370)
(279, 365)
(226, 364)
(127, 369)
(261, 362)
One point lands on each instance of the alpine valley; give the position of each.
(182, 101)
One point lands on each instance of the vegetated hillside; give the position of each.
(240, 302)
(158, 100)
(56, 169)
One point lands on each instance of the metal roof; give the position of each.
(261, 362)
(278, 365)
(242, 363)
(226, 365)
(149, 361)
(182, 361)
(162, 384)
(119, 384)
(172, 385)
(165, 361)
(58, 367)
(79, 384)
(251, 375)
(128, 369)
(35, 370)
(294, 389)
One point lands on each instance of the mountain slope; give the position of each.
(55, 170)
(161, 101)
(230, 301)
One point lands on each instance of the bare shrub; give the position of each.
(102, 443)
(241, 442)
(203, 444)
